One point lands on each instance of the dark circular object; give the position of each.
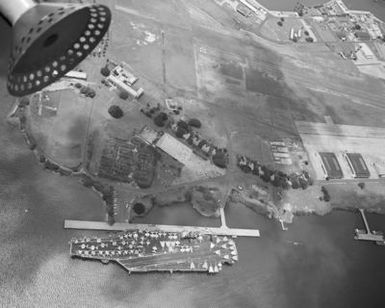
(139, 208)
(115, 111)
(49, 41)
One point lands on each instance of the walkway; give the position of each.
(118, 226)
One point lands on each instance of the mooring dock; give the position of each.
(373, 236)
(120, 226)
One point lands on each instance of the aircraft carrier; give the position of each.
(145, 251)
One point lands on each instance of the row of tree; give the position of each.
(275, 177)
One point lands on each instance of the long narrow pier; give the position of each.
(369, 235)
(119, 226)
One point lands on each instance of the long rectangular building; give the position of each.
(175, 148)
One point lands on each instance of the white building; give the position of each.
(76, 75)
(175, 148)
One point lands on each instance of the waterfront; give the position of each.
(376, 7)
(316, 263)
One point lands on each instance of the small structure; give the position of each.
(125, 76)
(76, 75)
(243, 10)
(117, 82)
(362, 35)
(124, 80)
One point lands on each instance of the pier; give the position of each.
(122, 226)
(373, 236)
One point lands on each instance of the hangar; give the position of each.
(357, 165)
(330, 165)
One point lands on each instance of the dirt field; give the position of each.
(61, 134)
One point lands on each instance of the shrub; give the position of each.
(266, 174)
(160, 119)
(219, 159)
(180, 132)
(325, 192)
(115, 111)
(83, 90)
(91, 93)
(105, 71)
(24, 101)
(123, 94)
(183, 125)
(139, 208)
(195, 123)
(294, 182)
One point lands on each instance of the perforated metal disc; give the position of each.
(49, 40)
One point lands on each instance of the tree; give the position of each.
(83, 90)
(309, 39)
(202, 143)
(139, 208)
(219, 159)
(279, 23)
(325, 193)
(303, 183)
(195, 123)
(91, 93)
(115, 111)
(24, 101)
(105, 71)
(123, 94)
(294, 182)
(183, 125)
(266, 174)
(160, 119)
(306, 32)
(180, 132)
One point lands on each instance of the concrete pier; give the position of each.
(119, 226)
(369, 235)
